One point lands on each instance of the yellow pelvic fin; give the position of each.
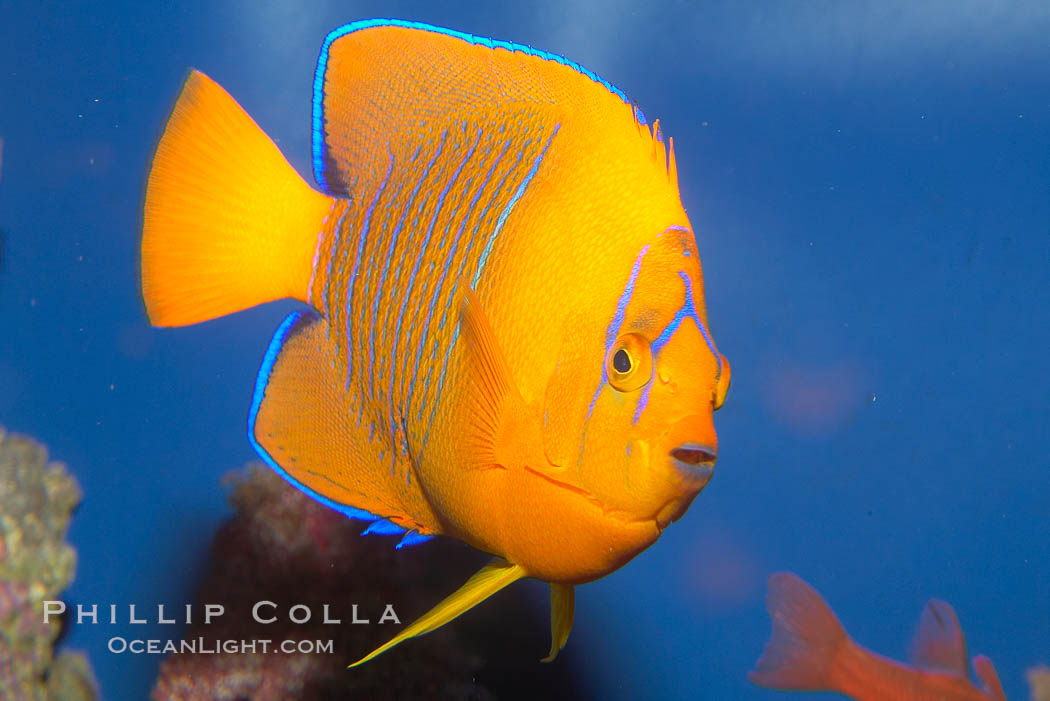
(227, 222)
(486, 582)
(563, 604)
(500, 433)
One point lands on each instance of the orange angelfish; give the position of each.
(505, 338)
(810, 650)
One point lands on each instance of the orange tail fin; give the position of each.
(227, 222)
(806, 636)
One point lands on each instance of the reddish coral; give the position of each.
(285, 548)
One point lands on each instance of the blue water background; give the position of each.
(870, 186)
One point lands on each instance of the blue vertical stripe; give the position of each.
(337, 237)
(374, 278)
(317, 255)
(686, 311)
(462, 264)
(611, 333)
(455, 287)
(424, 245)
(389, 255)
(643, 401)
(407, 392)
(350, 284)
(625, 298)
(481, 265)
(510, 207)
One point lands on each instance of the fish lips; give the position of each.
(694, 463)
(692, 449)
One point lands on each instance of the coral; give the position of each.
(283, 547)
(37, 499)
(1039, 683)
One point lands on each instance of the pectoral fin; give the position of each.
(488, 580)
(500, 434)
(563, 602)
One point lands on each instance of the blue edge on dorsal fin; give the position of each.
(293, 322)
(317, 112)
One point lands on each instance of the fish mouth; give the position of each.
(694, 461)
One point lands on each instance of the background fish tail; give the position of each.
(227, 222)
(806, 636)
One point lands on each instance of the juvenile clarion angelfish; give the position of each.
(504, 338)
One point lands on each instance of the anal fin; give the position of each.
(303, 422)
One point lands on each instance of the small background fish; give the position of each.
(809, 650)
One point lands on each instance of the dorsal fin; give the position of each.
(985, 671)
(672, 165)
(385, 80)
(939, 643)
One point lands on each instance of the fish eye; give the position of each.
(629, 363)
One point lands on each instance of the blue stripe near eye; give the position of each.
(625, 298)
(286, 331)
(510, 207)
(611, 332)
(357, 261)
(643, 401)
(686, 311)
(317, 113)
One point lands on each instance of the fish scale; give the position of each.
(376, 300)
